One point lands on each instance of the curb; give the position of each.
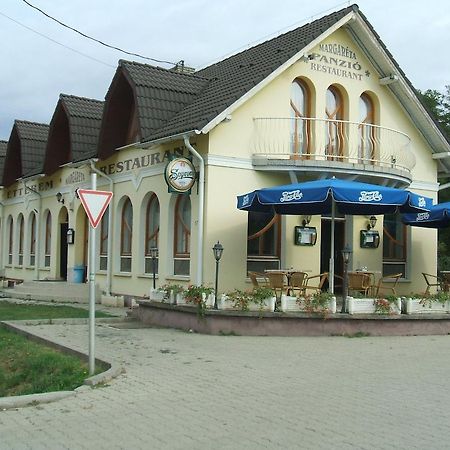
(17, 401)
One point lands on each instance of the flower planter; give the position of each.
(290, 304)
(156, 295)
(225, 303)
(413, 306)
(367, 306)
(268, 304)
(207, 300)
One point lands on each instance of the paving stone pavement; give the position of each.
(188, 391)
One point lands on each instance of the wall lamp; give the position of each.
(372, 222)
(59, 198)
(306, 220)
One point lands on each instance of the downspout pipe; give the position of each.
(110, 227)
(201, 207)
(38, 231)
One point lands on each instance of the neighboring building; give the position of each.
(326, 99)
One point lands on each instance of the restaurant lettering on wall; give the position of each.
(338, 60)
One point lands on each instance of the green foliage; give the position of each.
(319, 302)
(383, 304)
(28, 368)
(242, 299)
(23, 311)
(438, 104)
(194, 294)
(440, 297)
(168, 288)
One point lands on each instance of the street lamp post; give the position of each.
(217, 250)
(154, 255)
(346, 252)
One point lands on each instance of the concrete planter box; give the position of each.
(207, 300)
(290, 304)
(367, 306)
(156, 295)
(225, 303)
(413, 306)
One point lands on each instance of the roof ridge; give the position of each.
(353, 7)
(123, 62)
(29, 122)
(79, 97)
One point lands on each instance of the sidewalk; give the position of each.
(189, 391)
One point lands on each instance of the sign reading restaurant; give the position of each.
(141, 162)
(338, 60)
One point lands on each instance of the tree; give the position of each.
(438, 104)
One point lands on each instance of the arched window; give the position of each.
(151, 231)
(334, 136)
(11, 240)
(300, 110)
(367, 135)
(48, 239)
(263, 241)
(126, 236)
(33, 239)
(104, 224)
(21, 238)
(182, 235)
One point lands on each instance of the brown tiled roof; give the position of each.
(33, 141)
(230, 79)
(85, 117)
(160, 93)
(3, 147)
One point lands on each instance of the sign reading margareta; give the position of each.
(338, 60)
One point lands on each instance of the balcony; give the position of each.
(312, 145)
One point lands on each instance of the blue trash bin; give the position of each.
(78, 274)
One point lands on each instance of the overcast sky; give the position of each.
(35, 70)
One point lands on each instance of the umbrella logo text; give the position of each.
(288, 196)
(370, 196)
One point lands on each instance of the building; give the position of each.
(326, 99)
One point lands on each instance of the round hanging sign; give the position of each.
(180, 175)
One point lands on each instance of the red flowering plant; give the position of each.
(196, 295)
(319, 302)
(383, 304)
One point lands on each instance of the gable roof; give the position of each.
(33, 141)
(158, 95)
(85, 117)
(232, 78)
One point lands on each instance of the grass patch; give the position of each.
(29, 368)
(358, 334)
(22, 311)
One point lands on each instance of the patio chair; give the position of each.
(432, 281)
(297, 282)
(359, 282)
(382, 286)
(277, 282)
(311, 283)
(258, 279)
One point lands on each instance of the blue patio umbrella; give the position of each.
(437, 217)
(324, 196)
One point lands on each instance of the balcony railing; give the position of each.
(332, 140)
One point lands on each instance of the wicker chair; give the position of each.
(432, 281)
(359, 282)
(258, 279)
(382, 286)
(277, 282)
(310, 282)
(297, 281)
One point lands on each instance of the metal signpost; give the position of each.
(94, 203)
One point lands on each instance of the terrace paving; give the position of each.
(184, 390)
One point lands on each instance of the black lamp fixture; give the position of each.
(372, 223)
(346, 253)
(154, 255)
(217, 250)
(306, 220)
(59, 198)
